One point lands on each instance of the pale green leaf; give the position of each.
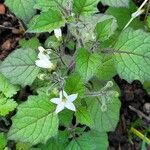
(19, 67)
(35, 121)
(116, 3)
(83, 116)
(86, 27)
(3, 141)
(46, 22)
(86, 63)
(132, 55)
(23, 9)
(105, 29)
(6, 106)
(7, 88)
(105, 111)
(85, 7)
(89, 141)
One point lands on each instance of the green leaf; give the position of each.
(105, 111)
(74, 85)
(23, 146)
(52, 144)
(52, 42)
(89, 141)
(3, 141)
(19, 67)
(6, 106)
(123, 15)
(65, 120)
(35, 121)
(83, 116)
(45, 5)
(85, 7)
(86, 63)
(146, 85)
(132, 55)
(23, 9)
(107, 70)
(7, 88)
(148, 21)
(105, 29)
(86, 27)
(116, 3)
(32, 43)
(46, 22)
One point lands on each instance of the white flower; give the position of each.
(64, 100)
(43, 58)
(58, 33)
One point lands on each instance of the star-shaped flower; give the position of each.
(64, 100)
(43, 58)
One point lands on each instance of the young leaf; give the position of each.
(132, 55)
(35, 121)
(74, 84)
(19, 67)
(23, 9)
(116, 3)
(83, 116)
(86, 63)
(105, 29)
(7, 88)
(32, 43)
(6, 106)
(105, 120)
(23, 146)
(89, 141)
(3, 141)
(46, 22)
(85, 7)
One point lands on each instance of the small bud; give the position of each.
(55, 91)
(42, 76)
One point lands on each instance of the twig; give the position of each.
(139, 113)
(148, 6)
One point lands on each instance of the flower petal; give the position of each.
(61, 94)
(58, 33)
(59, 108)
(70, 106)
(41, 49)
(43, 56)
(65, 94)
(72, 97)
(44, 63)
(55, 100)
